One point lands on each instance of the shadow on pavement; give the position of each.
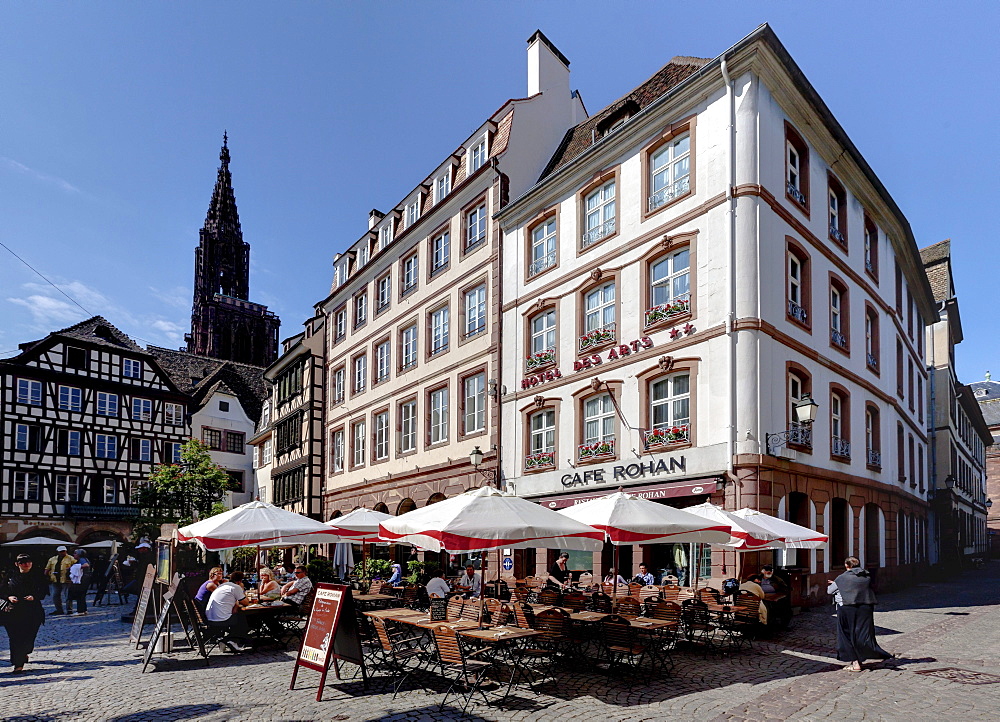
(174, 712)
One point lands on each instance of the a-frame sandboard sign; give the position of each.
(331, 635)
(162, 621)
(145, 593)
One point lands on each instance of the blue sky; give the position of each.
(112, 117)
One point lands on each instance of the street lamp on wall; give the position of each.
(476, 458)
(804, 411)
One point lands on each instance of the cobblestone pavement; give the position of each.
(84, 669)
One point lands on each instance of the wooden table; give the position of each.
(373, 597)
(589, 616)
(499, 634)
(502, 639)
(395, 614)
(262, 616)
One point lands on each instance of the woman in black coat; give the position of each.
(856, 616)
(24, 591)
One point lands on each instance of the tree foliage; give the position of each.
(177, 493)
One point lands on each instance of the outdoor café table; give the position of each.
(502, 640)
(374, 601)
(588, 617)
(396, 615)
(261, 620)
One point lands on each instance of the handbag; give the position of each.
(5, 605)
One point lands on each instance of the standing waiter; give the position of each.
(24, 591)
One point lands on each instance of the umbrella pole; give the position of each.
(482, 582)
(614, 582)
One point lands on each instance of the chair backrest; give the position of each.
(616, 631)
(382, 633)
(493, 607)
(411, 594)
(586, 580)
(669, 579)
(747, 606)
(649, 592)
(548, 596)
(694, 611)
(670, 592)
(575, 601)
(608, 589)
(665, 611)
(454, 608)
(376, 587)
(628, 607)
(448, 649)
(306, 607)
(633, 589)
(519, 594)
(601, 602)
(552, 623)
(523, 615)
(708, 594)
(471, 609)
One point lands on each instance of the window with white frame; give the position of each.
(670, 407)
(794, 279)
(360, 373)
(67, 488)
(68, 442)
(107, 404)
(131, 368)
(408, 347)
(439, 415)
(340, 324)
(412, 212)
(27, 437)
(360, 309)
(385, 235)
(543, 247)
(142, 450)
(599, 308)
(835, 303)
(834, 213)
(543, 331)
(477, 156)
(871, 246)
(29, 392)
(384, 292)
(173, 414)
(358, 444)
(337, 386)
(110, 487)
(474, 411)
(598, 419)
(408, 427)
(26, 486)
(475, 226)
(440, 251)
(543, 431)
(793, 171)
(475, 310)
(439, 330)
(107, 446)
(599, 218)
(670, 286)
(337, 450)
(670, 171)
(142, 410)
(381, 435)
(268, 450)
(382, 362)
(410, 273)
(442, 186)
(836, 416)
(364, 252)
(70, 398)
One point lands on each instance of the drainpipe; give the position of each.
(731, 273)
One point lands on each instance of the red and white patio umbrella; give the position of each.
(793, 536)
(259, 524)
(745, 535)
(486, 519)
(359, 526)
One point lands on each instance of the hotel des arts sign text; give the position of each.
(546, 358)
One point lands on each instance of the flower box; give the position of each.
(598, 337)
(597, 450)
(667, 436)
(677, 307)
(540, 360)
(544, 460)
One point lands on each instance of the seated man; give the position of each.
(752, 585)
(222, 608)
(437, 585)
(471, 582)
(294, 593)
(644, 577)
(776, 598)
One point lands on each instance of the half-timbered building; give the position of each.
(85, 414)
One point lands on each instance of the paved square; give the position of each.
(84, 669)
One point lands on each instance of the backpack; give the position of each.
(730, 587)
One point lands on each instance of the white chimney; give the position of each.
(374, 216)
(548, 69)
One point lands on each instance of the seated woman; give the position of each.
(270, 590)
(613, 578)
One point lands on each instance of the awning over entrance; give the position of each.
(688, 487)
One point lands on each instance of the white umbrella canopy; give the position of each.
(106, 544)
(794, 536)
(745, 535)
(628, 519)
(257, 524)
(42, 541)
(485, 519)
(359, 526)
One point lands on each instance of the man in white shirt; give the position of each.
(471, 581)
(438, 585)
(222, 611)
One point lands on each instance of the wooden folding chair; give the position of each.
(523, 615)
(466, 670)
(399, 652)
(600, 602)
(670, 592)
(575, 601)
(628, 607)
(633, 589)
(586, 581)
(648, 592)
(548, 597)
(455, 608)
(622, 646)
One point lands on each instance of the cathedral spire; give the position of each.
(222, 216)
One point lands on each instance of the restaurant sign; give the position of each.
(588, 362)
(624, 472)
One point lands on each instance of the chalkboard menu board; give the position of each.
(140, 610)
(331, 635)
(162, 622)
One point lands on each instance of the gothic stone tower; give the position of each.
(224, 324)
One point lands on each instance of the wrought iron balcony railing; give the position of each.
(875, 458)
(840, 447)
(676, 306)
(604, 449)
(593, 235)
(539, 265)
(540, 360)
(838, 338)
(797, 312)
(668, 193)
(667, 436)
(795, 193)
(541, 460)
(598, 336)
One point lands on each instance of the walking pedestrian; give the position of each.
(24, 591)
(855, 616)
(57, 572)
(79, 581)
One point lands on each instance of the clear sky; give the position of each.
(111, 117)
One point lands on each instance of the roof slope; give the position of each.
(581, 137)
(200, 377)
(95, 330)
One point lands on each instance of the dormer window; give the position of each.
(616, 119)
(385, 235)
(442, 186)
(477, 156)
(363, 253)
(412, 212)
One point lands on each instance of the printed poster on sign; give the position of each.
(319, 635)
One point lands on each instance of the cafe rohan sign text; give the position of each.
(589, 362)
(624, 472)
